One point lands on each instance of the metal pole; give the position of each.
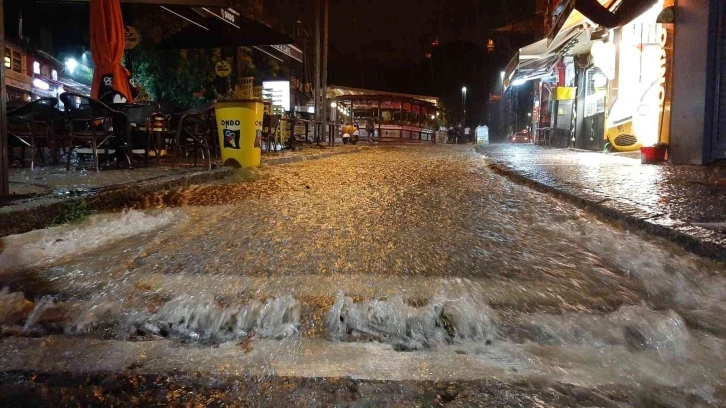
(326, 32)
(4, 156)
(316, 126)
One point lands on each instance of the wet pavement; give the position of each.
(681, 203)
(399, 275)
(688, 193)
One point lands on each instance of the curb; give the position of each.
(697, 240)
(38, 214)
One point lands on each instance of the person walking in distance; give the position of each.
(370, 129)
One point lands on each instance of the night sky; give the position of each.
(382, 44)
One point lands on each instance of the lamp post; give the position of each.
(463, 101)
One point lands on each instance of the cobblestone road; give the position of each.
(398, 263)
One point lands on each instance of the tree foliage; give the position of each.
(186, 77)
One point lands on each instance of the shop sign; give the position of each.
(365, 104)
(665, 81)
(406, 107)
(223, 69)
(229, 15)
(390, 105)
(132, 37)
(17, 84)
(290, 50)
(416, 109)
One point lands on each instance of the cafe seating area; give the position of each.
(76, 130)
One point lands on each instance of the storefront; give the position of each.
(396, 116)
(608, 87)
(638, 63)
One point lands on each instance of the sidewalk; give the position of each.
(45, 193)
(683, 203)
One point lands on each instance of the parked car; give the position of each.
(521, 137)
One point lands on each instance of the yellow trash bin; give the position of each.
(239, 124)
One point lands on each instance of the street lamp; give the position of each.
(463, 101)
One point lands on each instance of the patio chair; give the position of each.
(32, 125)
(193, 132)
(139, 115)
(94, 122)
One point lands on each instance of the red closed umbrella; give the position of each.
(107, 49)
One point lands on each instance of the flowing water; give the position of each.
(397, 264)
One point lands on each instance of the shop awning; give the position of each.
(223, 27)
(536, 60)
(530, 70)
(605, 13)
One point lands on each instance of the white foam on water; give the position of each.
(45, 303)
(203, 318)
(636, 327)
(43, 247)
(442, 320)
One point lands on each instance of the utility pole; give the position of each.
(4, 154)
(317, 71)
(324, 93)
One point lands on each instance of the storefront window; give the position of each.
(595, 91)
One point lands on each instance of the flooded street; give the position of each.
(385, 274)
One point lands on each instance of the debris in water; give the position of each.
(13, 307)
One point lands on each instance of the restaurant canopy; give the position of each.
(335, 91)
(220, 27)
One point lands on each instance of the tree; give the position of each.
(186, 77)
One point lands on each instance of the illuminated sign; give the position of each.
(228, 14)
(280, 91)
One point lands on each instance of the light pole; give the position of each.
(463, 102)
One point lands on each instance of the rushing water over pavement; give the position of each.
(400, 263)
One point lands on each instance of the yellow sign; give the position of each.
(132, 37)
(564, 93)
(223, 69)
